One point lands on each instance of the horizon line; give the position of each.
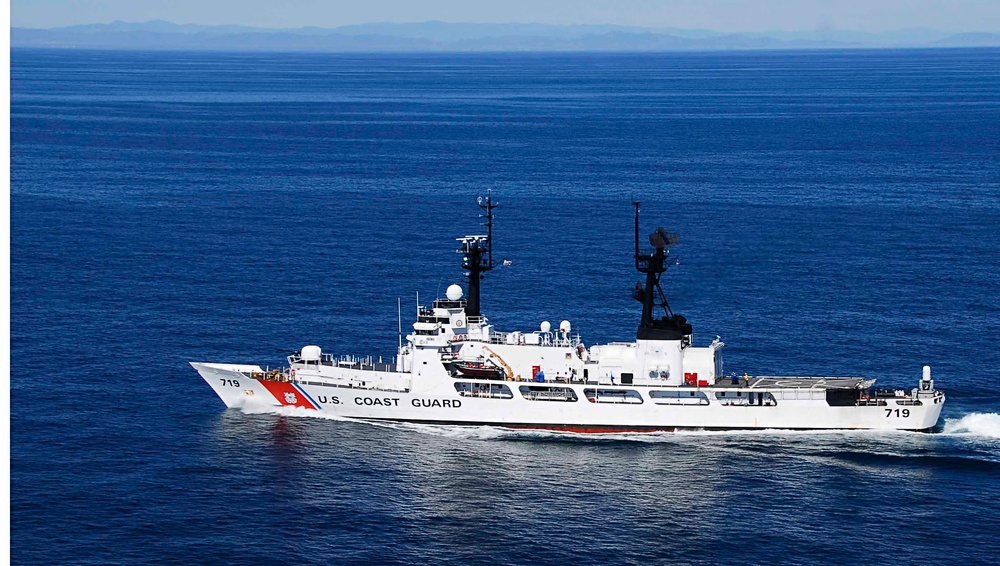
(516, 23)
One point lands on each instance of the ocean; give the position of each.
(839, 215)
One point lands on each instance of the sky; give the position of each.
(718, 15)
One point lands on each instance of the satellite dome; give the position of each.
(564, 326)
(310, 353)
(546, 326)
(454, 292)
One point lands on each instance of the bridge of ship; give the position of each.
(551, 339)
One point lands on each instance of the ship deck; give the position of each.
(775, 382)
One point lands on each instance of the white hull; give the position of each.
(443, 405)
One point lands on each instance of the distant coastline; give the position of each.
(472, 37)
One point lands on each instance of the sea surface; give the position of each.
(839, 212)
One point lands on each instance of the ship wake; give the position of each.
(985, 425)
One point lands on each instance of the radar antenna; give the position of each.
(477, 256)
(671, 326)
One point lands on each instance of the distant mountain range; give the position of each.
(469, 37)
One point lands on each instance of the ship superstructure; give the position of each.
(456, 368)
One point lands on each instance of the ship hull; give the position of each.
(444, 405)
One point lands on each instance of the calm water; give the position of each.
(839, 212)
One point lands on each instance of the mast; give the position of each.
(477, 256)
(671, 326)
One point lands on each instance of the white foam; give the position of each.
(461, 432)
(286, 411)
(986, 425)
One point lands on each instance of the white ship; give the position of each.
(456, 368)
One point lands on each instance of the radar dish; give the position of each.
(660, 238)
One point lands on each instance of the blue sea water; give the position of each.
(839, 214)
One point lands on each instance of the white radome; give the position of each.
(454, 292)
(545, 326)
(311, 353)
(565, 327)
